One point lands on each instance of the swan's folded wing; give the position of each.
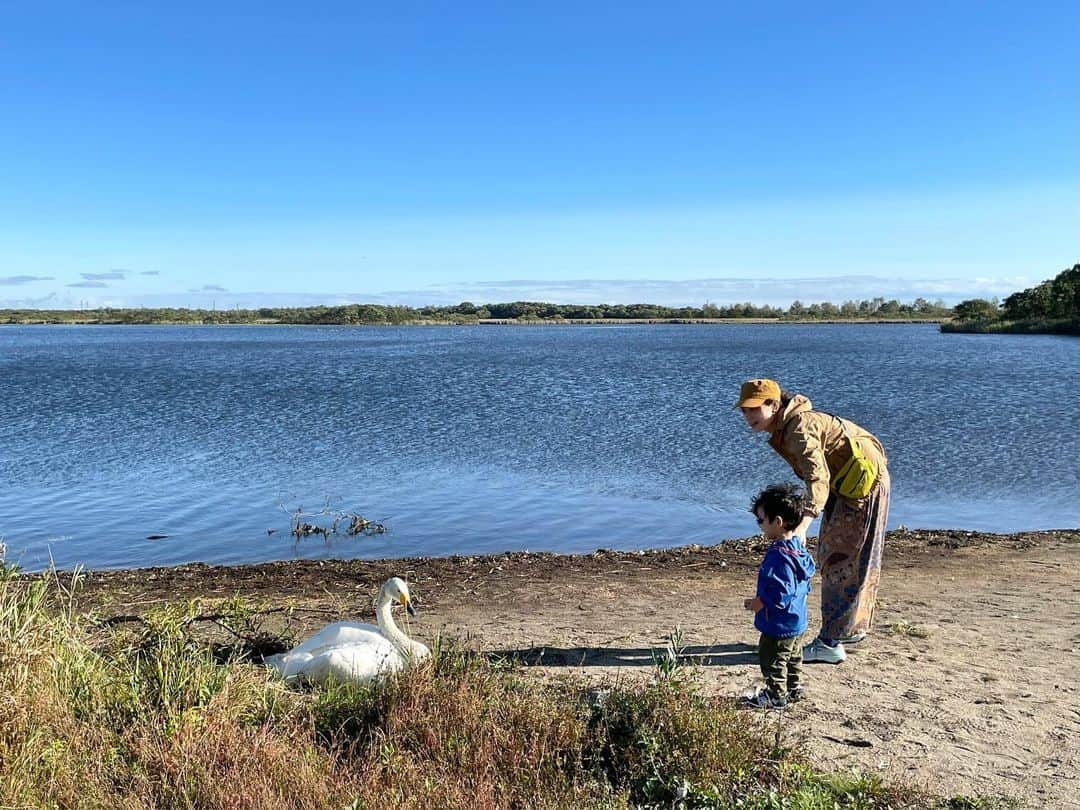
(337, 634)
(349, 662)
(376, 643)
(361, 663)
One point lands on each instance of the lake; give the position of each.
(471, 440)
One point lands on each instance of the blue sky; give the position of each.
(247, 154)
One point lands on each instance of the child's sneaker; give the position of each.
(818, 650)
(796, 694)
(763, 700)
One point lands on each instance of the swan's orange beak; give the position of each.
(408, 605)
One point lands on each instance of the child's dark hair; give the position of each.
(784, 501)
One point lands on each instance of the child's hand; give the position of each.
(754, 604)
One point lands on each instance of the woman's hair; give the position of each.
(785, 398)
(784, 501)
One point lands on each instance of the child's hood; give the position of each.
(796, 554)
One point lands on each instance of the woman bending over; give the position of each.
(847, 483)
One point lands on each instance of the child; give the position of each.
(780, 604)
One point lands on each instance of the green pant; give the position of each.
(781, 663)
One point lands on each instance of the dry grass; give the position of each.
(902, 628)
(93, 717)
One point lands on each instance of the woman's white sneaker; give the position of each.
(818, 651)
(855, 639)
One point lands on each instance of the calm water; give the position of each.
(475, 439)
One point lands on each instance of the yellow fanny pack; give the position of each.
(858, 475)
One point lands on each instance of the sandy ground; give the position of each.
(968, 684)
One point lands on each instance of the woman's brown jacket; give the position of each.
(815, 446)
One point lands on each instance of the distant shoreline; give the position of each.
(515, 313)
(702, 321)
(505, 322)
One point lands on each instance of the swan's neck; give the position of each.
(388, 627)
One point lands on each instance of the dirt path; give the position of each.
(968, 685)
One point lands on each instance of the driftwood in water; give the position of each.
(351, 523)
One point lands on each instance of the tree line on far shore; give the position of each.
(1052, 306)
(467, 312)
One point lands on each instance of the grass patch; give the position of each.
(1030, 326)
(979, 803)
(151, 715)
(902, 628)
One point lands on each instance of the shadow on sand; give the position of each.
(717, 655)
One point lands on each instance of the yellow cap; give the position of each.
(755, 392)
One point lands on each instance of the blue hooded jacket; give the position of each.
(782, 585)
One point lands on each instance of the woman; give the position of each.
(817, 445)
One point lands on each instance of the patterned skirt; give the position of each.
(850, 543)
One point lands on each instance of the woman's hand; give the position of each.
(754, 604)
(804, 526)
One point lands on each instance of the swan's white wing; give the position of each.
(350, 662)
(337, 634)
(373, 641)
(361, 662)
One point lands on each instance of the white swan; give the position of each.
(350, 651)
